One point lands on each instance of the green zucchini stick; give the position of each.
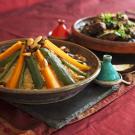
(58, 67)
(9, 65)
(75, 69)
(35, 73)
(21, 81)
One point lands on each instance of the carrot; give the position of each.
(51, 80)
(65, 56)
(48, 74)
(14, 79)
(10, 50)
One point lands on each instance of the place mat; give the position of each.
(10, 125)
(103, 103)
(87, 102)
(24, 124)
(59, 114)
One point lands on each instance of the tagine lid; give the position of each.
(108, 71)
(60, 31)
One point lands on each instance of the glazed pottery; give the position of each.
(108, 72)
(111, 83)
(60, 31)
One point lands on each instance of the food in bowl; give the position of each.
(40, 64)
(109, 26)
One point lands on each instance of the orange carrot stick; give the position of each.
(48, 74)
(14, 79)
(10, 50)
(51, 80)
(65, 56)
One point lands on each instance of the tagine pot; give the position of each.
(108, 75)
(60, 31)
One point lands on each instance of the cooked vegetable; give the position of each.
(10, 50)
(14, 79)
(9, 65)
(75, 69)
(6, 61)
(65, 56)
(47, 72)
(51, 79)
(40, 64)
(58, 67)
(21, 81)
(35, 73)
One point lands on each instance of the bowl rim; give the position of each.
(54, 90)
(73, 27)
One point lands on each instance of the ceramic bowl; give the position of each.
(52, 95)
(125, 68)
(99, 44)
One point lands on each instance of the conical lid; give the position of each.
(108, 72)
(60, 31)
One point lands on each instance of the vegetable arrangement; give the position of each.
(109, 26)
(38, 64)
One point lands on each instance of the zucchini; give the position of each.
(35, 73)
(9, 65)
(58, 67)
(21, 81)
(75, 69)
(6, 61)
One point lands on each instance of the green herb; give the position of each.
(108, 19)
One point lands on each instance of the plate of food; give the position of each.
(42, 71)
(107, 32)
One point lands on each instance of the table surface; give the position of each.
(38, 18)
